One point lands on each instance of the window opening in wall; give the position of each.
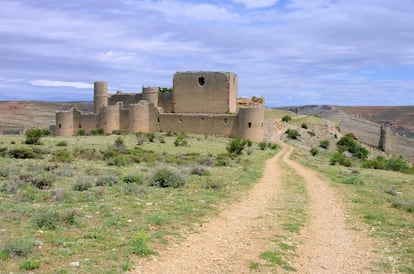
(158, 119)
(225, 121)
(80, 126)
(249, 125)
(201, 81)
(60, 125)
(202, 118)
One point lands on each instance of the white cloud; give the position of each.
(51, 83)
(256, 3)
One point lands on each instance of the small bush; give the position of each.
(339, 158)
(180, 140)
(46, 219)
(405, 203)
(82, 184)
(119, 143)
(107, 180)
(3, 151)
(22, 153)
(63, 156)
(286, 118)
(81, 132)
(133, 179)
(139, 245)
(213, 184)
(62, 144)
(324, 144)
(292, 133)
(380, 162)
(236, 146)
(249, 143)
(43, 181)
(33, 136)
(262, 145)
(141, 137)
(98, 131)
(304, 125)
(200, 171)
(150, 136)
(164, 177)
(354, 180)
(29, 265)
(314, 151)
(20, 247)
(273, 146)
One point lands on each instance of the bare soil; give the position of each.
(240, 233)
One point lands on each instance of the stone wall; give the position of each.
(126, 98)
(399, 145)
(205, 92)
(370, 133)
(366, 131)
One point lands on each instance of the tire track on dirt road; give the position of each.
(328, 244)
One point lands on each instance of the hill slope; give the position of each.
(15, 116)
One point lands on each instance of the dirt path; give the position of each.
(329, 246)
(241, 232)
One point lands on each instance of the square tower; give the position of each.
(205, 92)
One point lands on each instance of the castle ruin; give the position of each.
(200, 103)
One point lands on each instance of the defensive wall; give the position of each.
(200, 102)
(378, 135)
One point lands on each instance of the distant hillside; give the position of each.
(399, 118)
(15, 116)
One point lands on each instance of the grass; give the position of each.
(104, 216)
(383, 201)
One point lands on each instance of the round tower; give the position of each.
(64, 123)
(251, 121)
(100, 95)
(151, 95)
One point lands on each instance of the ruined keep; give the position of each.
(200, 102)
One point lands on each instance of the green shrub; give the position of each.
(314, 151)
(3, 151)
(339, 158)
(107, 180)
(42, 181)
(82, 184)
(30, 265)
(46, 219)
(141, 137)
(354, 180)
(273, 146)
(81, 132)
(249, 143)
(380, 162)
(292, 133)
(133, 179)
(405, 203)
(262, 145)
(304, 126)
(62, 144)
(139, 245)
(286, 118)
(22, 153)
(150, 136)
(236, 146)
(98, 131)
(348, 143)
(200, 171)
(119, 144)
(63, 156)
(33, 135)
(20, 247)
(164, 177)
(324, 144)
(180, 140)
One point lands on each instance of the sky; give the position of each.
(292, 52)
